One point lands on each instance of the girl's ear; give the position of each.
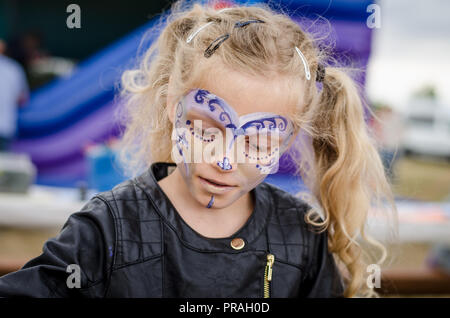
(170, 108)
(170, 103)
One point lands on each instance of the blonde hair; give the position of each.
(342, 168)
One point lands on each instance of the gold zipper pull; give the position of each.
(270, 260)
(268, 274)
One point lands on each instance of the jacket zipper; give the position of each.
(268, 274)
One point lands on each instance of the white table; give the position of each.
(41, 207)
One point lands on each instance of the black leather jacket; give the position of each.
(131, 242)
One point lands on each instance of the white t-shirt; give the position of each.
(13, 86)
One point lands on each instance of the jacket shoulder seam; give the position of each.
(111, 267)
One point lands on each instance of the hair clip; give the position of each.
(224, 9)
(189, 39)
(209, 51)
(305, 63)
(241, 24)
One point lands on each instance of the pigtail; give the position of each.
(144, 88)
(349, 175)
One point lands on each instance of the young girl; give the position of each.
(214, 103)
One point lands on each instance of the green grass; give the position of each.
(421, 178)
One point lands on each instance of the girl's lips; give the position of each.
(217, 182)
(213, 187)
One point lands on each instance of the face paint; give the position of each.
(225, 164)
(249, 134)
(210, 202)
(217, 114)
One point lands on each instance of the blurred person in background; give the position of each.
(27, 49)
(13, 94)
(41, 67)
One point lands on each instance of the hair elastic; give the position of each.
(320, 74)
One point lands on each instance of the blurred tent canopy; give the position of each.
(71, 112)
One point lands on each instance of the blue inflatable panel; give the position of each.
(91, 86)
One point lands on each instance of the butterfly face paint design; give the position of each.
(267, 135)
(219, 119)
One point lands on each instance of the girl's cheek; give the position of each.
(251, 174)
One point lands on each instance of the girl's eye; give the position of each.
(200, 132)
(251, 142)
(254, 147)
(205, 134)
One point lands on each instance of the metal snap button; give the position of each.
(237, 243)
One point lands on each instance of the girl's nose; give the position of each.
(225, 165)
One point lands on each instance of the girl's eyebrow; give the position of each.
(203, 118)
(229, 106)
(210, 120)
(266, 114)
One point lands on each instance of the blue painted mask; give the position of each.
(259, 138)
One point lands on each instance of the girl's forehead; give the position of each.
(248, 94)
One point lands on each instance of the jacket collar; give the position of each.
(249, 232)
